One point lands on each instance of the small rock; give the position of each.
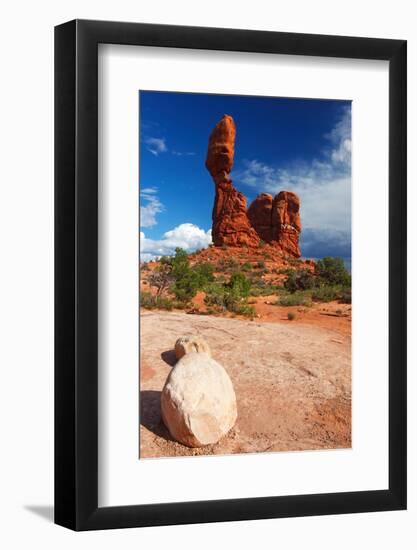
(191, 344)
(198, 402)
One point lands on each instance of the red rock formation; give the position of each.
(276, 221)
(260, 216)
(286, 222)
(231, 225)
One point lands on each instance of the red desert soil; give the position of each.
(292, 378)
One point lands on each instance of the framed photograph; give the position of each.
(230, 254)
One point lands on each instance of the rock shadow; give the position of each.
(169, 357)
(150, 413)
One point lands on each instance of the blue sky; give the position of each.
(301, 145)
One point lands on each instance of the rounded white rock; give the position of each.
(198, 402)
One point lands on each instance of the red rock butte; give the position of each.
(275, 220)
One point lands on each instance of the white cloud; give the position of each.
(156, 145)
(323, 185)
(186, 235)
(152, 207)
(340, 138)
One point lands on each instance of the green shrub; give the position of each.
(260, 265)
(295, 299)
(246, 267)
(186, 280)
(180, 263)
(230, 296)
(261, 288)
(186, 287)
(332, 271)
(245, 309)
(299, 280)
(305, 280)
(346, 296)
(240, 285)
(290, 283)
(205, 272)
(215, 295)
(328, 293)
(290, 316)
(148, 301)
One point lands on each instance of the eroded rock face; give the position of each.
(191, 344)
(231, 225)
(260, 216)
(272, 220)
(198, 402)
(286, 222)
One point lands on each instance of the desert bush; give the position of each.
(295, 299)
(260, 264)
(246, 267)
(305, 280)
(328, 293)
(332, 271)
(245, 309)
(205, 272)
(346, 296)
(290, 316)
(299, 280)
(149, 301)
(215, 295)
(185, 280)
(161, 278)
(231, 296)
(290, 283)
(261, 288)
(180, 263)
(240, 285)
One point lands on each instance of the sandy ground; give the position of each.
(292, 380)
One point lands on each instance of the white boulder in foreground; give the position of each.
(189, 344)
(198, 402)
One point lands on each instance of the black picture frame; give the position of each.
(76, 272)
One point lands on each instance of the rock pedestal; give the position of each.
(272, 220)
(231, 225)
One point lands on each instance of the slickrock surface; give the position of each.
(292, 383)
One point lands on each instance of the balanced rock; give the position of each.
(272, 220)
(231, 225)
(190, 344)
(198, 402)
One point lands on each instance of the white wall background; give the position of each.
(26, 289)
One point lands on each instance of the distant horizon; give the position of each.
(300, 145)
